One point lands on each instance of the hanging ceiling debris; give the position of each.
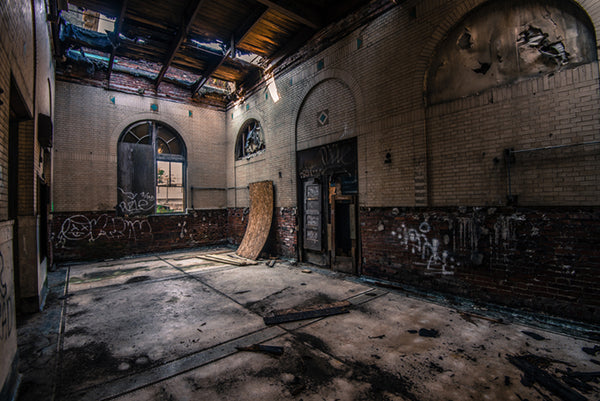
(220, 47)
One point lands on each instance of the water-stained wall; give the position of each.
(506, 41)
(539, 259)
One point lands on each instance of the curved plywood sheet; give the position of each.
(259, 223)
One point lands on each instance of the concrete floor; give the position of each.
(166, 327)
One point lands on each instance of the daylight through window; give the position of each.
(152, 165)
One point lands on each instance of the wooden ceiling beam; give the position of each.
(237, 37)
(311, 21)
(188, 20)
(208, 73)
(291, 46)
(252, 20)
(54, 8)
(116, 32)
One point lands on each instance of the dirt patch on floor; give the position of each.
(305, 370)
(93, 363)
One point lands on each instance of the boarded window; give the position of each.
(151, 172)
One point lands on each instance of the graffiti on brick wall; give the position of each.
(80, 228)
(420, 242)
(7, 318)
(136, 203)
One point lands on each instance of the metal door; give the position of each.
(313, 216)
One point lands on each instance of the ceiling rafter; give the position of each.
(200, 83)
(311, 21)
(184, 30)
(116, 32)
(238, 36)
(292, 45)
(252, 20)
(235, 40)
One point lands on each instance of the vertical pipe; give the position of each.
(507, 155)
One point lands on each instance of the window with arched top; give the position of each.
(151, 169)
(250, 140)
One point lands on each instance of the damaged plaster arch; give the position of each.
(430, 48)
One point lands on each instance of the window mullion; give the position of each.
(153, 132)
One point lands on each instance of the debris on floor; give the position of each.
(592, 351)
(228, 259)
(468, 315)
(181, 335)
(291, 315)
(429, 333)
(267, 349)
(533, 335)
(534, 374)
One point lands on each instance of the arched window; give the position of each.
(250, 140)
(152, 170)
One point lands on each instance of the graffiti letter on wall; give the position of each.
(428, 250)
(136, 203)
(80, 227)
(7, 318)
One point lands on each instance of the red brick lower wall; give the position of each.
(237, 220)
(282, 238)
(102, 235)
(545, 259)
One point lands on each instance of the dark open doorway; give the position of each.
(328, 199)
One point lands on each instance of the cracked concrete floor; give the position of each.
(166, 327)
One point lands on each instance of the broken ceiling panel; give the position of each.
(186, 77)
(74, 36)
(508, 41)
(230, 40)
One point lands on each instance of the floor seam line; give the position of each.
(90, 392)
(61, 338)
(211, 287)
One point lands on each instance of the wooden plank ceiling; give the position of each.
(236, 41)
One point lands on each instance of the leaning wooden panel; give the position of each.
(259, 223)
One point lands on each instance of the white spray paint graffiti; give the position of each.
(417, 241)
(136, 203)
(7, 318)
(183, 229)
(80, 227)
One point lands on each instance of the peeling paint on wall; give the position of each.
(507, 41)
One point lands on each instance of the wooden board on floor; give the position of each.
(259, 220)
(291, 315)
(229, 259)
